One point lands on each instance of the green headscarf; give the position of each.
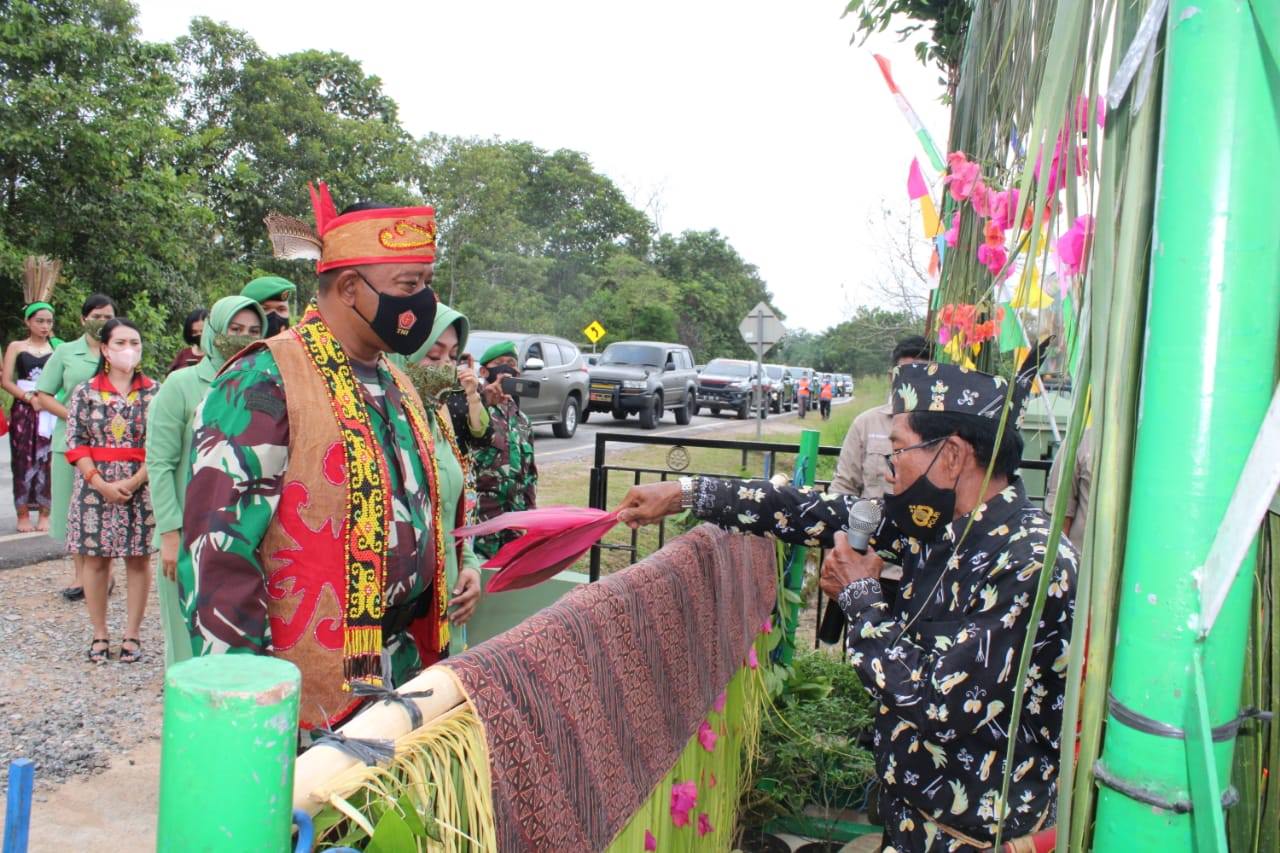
(37, 306)
(219, 318)
(445, 317)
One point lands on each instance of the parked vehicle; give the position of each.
(556, 365)
(727, 383)
(782, 391)
(591, 359)
(645, 378)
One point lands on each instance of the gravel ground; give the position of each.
(67, 715)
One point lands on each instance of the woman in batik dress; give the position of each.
(29, 443)
(110, 514)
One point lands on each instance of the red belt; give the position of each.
(107, 454)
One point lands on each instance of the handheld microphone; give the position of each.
(864, 519)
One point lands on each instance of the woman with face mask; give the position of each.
(192, 331)
(30, 432)
(110, 514)
(234, 323)
(71, 364)
(459, 421)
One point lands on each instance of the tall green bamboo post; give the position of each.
(226, 763)
(810, 440)
(1208, 375)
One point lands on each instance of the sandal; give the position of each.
(73, 593)
(99, 655)
(130, 656)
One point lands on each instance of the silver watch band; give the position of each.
(686, 492)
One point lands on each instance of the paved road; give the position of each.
(582, 444)
(18, 549)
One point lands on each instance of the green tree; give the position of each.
(716, 288)
(87, 158)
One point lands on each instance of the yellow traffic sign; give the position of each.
(594, 332)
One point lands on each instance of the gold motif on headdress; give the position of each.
(407, 235)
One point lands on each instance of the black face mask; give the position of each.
(402, 322)
(276, 324)
(923, 509)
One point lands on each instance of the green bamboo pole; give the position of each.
(226, 763)
(808, 458)
(1207, 379)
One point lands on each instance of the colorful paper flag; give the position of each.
(929, 213)
(909, 114)
(1029, 294)
(916, 186)
(1012, 335)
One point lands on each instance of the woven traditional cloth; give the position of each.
(588, 704)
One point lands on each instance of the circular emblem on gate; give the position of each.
(677, 458)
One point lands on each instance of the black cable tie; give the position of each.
(1230, 797)
(369, 751)
(1140, 722)
(389, 695)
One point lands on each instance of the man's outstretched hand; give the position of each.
(649, 504)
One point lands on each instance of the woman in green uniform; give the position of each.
(232, 324)
(455, 424)
(71, 364)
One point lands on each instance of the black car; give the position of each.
(727, 383)
(645, 378)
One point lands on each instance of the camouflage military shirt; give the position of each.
(506, 475)
(239, 456)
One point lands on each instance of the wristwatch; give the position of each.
(687, 489)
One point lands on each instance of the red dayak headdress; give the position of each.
(391, 235)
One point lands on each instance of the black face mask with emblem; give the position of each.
(922, 509)
(402, 322)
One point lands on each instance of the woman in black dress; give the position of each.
(30, 433)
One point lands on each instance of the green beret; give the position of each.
(498, 350)
(268, 287)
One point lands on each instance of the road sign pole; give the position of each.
(759, 373)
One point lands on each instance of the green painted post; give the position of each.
(1208, 375)
(808, 457)
(226, 762)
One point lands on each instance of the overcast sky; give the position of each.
(757, 118)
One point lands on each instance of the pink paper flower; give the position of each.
(944, 335)
(964, 175)
(1071, 245)
(992, 257)
(753, 660)
(766, 627)
(650, 841)
(952, 234)
(1004, 206)
(704, 824)
(720, 700)
(684, 795)
(707, 736)
(980, 198)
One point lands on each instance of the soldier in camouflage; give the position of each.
(505, 472)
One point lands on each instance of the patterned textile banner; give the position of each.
(588, 704)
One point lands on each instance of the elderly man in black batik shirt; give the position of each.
(942, 660)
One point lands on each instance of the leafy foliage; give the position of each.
(950, 24)
(809, 752)
(859, 346)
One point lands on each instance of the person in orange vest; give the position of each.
(824, 397)
(802, 394)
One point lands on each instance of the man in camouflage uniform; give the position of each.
(506, 474)
(312, 515)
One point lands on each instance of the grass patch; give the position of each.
(568, 483)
